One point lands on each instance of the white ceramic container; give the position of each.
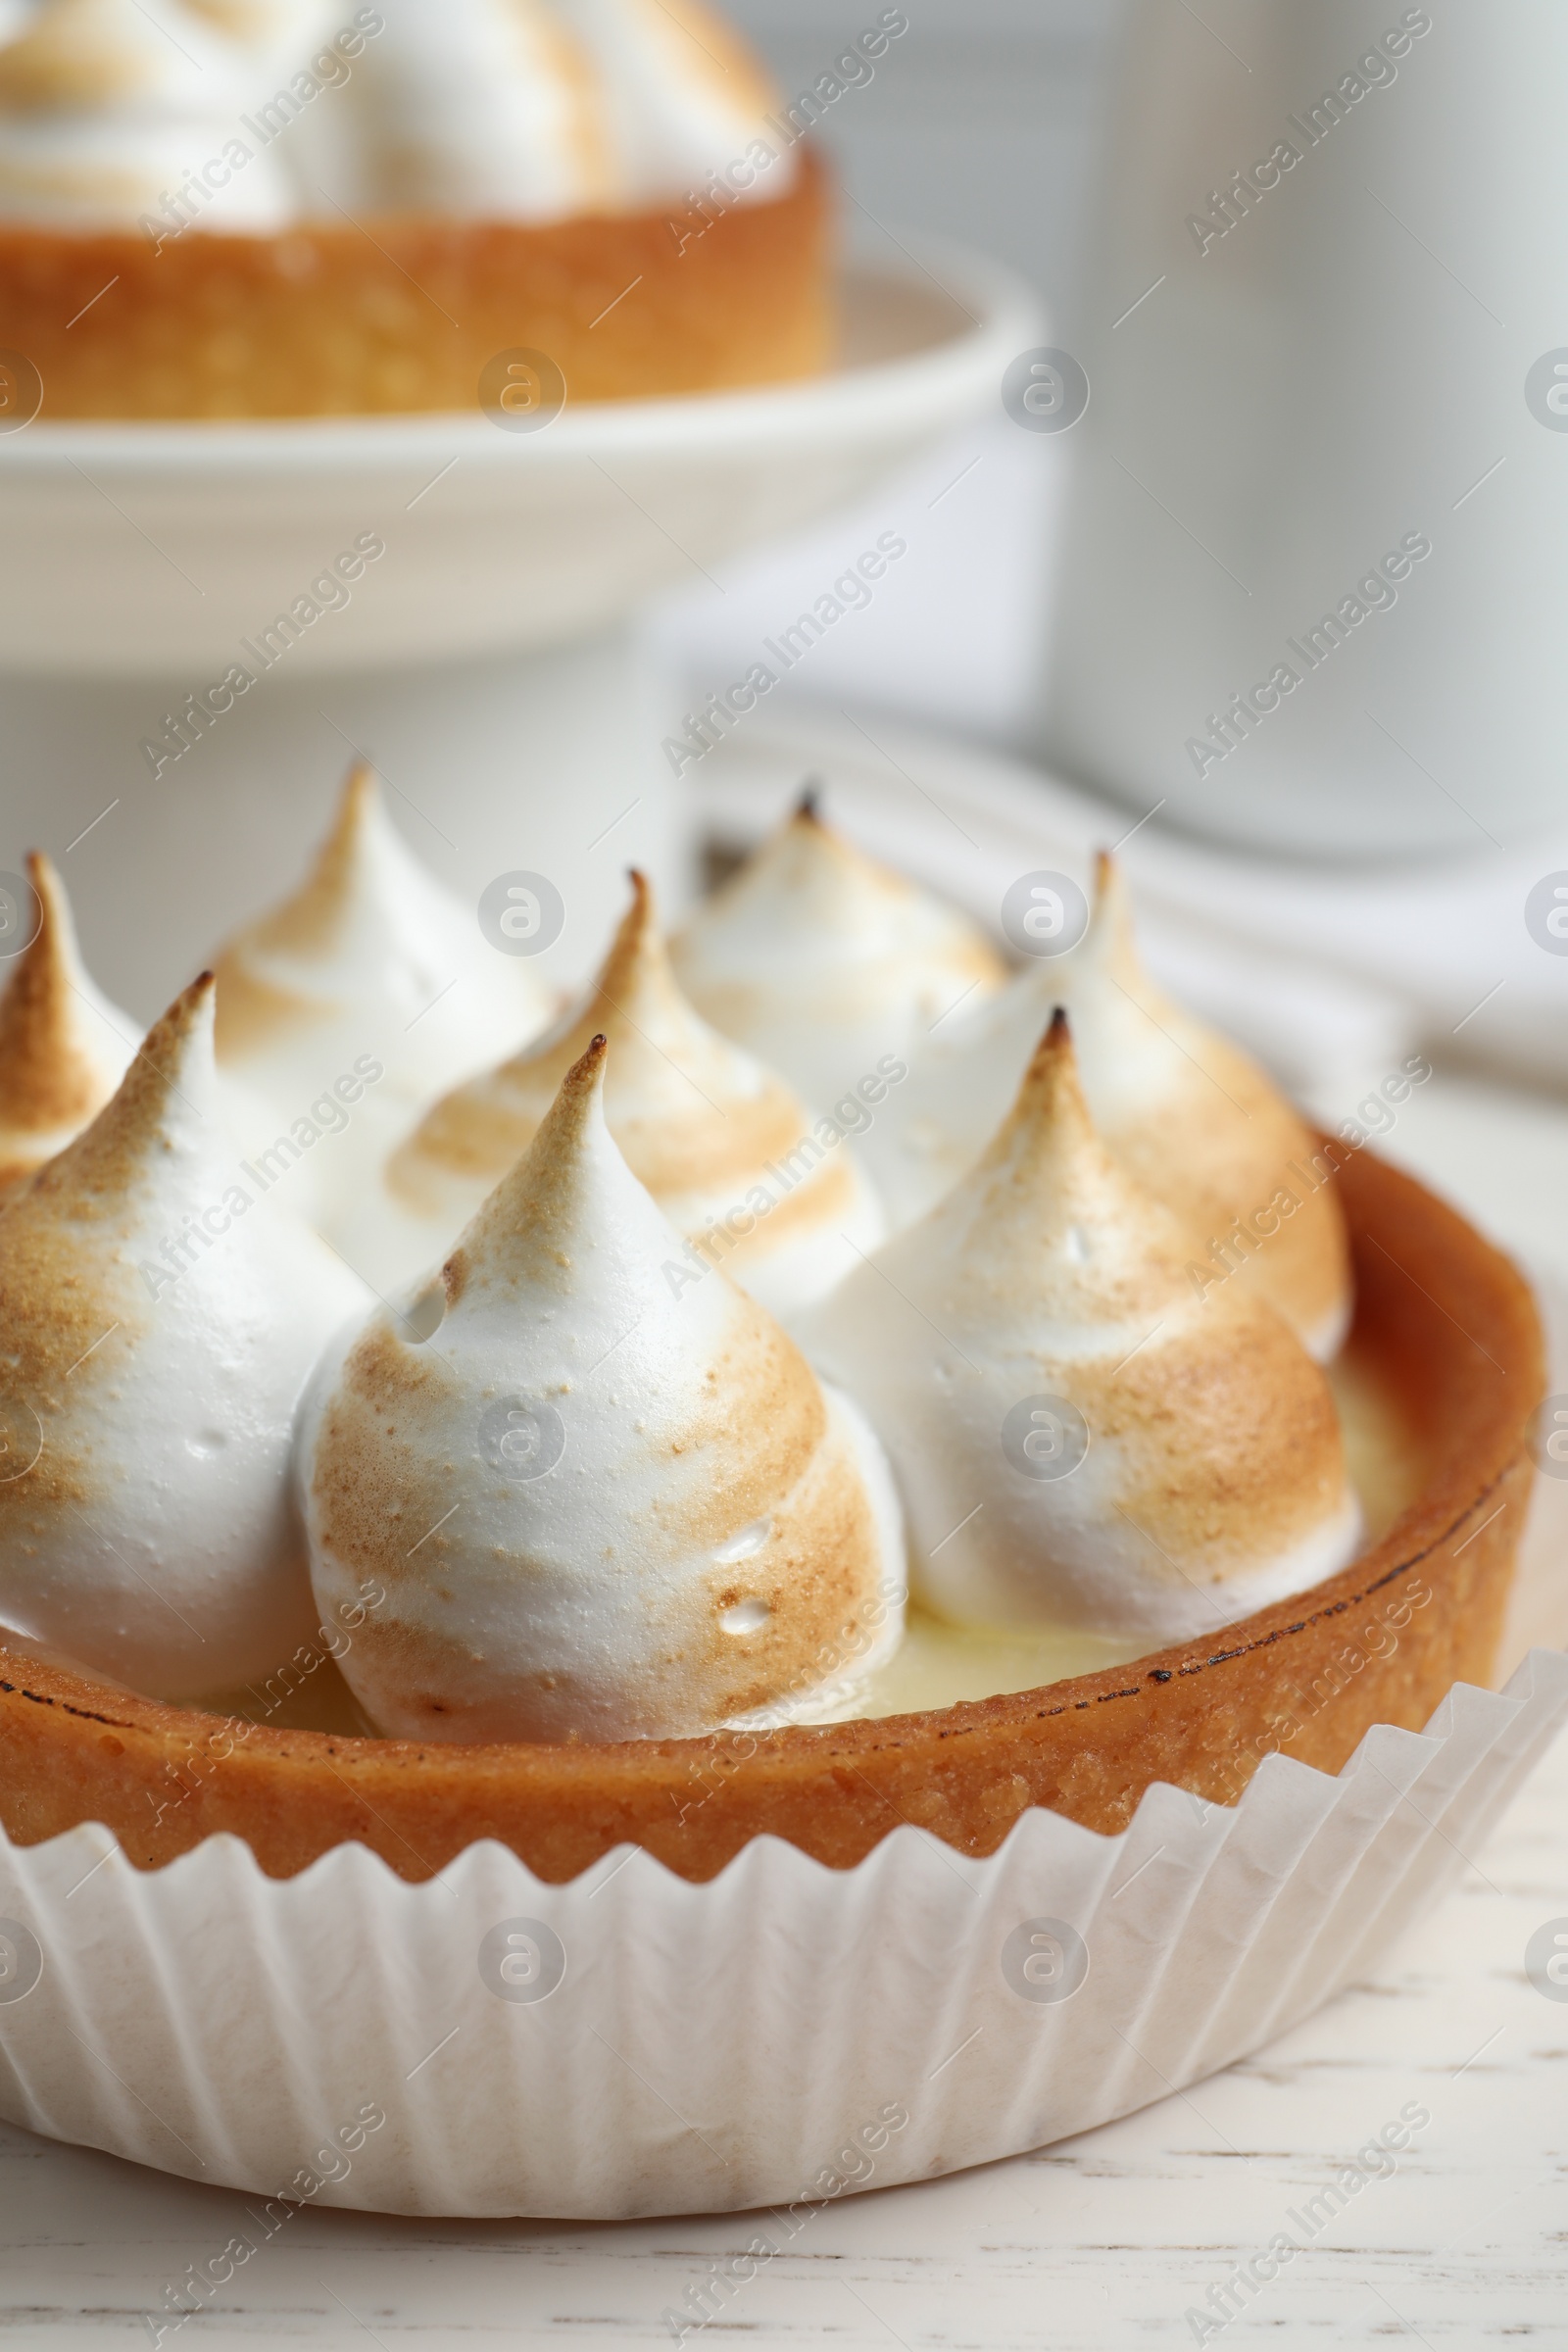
(1296, 372)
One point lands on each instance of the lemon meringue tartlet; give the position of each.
(1078, 1439)
(63, 1047)
(598, 1511)
(372, 971)
(293, 210)
(1447, 1331)
(1379, 1642)
(584, 1551)
(822, 962)
(1187, 1115)
(160, 1323)
(753, 1179)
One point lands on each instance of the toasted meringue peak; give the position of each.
(532, 110)
(62, 1046)
(348, 1009)
(750, 1176)
(683, 96)
(1050, 1205)
(107, 105)
(167, 1104)
(1188, 1114)
(266, 28)
(75, 52)
(1080, 1440)
(829, 967)
(341, 904)
(490, 108)
(160, 1322)
(598, 1510)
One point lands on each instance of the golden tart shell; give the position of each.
(328, 319)
(1452, 1329)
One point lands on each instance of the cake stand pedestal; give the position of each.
(454, 600)
(495, 763)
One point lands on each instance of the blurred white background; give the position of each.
(982, 123)
(1387, 836)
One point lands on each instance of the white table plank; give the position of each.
(1106, 2240)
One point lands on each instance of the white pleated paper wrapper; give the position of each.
(631, 2044)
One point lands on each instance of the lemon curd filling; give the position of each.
(938, 1664)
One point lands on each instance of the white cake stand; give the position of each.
(485, 661)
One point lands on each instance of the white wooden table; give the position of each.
(1110, 2241)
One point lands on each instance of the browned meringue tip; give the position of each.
(808, 808)
(105, 1155)
(1051, 1103)
(51, 941)
(48, 65)
(189, 1014)
(1111, 915)
(1111, 938)
(53, 944)
(358, 796)
(585, 1077)
(634, 992)
(636, 935)
(360, 784)
(542, 1178)
(189, 1017)
(49, 1081)
(305, 918)
(1054, 1057)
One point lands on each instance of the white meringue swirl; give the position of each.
(160, 1325)
(820, 961)
(210, 114)
(598, 1512)
(1078, 1439)
(106, 106)
(370, 960)
(729, 1152)
(1195, 1122)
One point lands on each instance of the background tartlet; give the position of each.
(207, 211)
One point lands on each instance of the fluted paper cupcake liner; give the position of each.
(486, 2043)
